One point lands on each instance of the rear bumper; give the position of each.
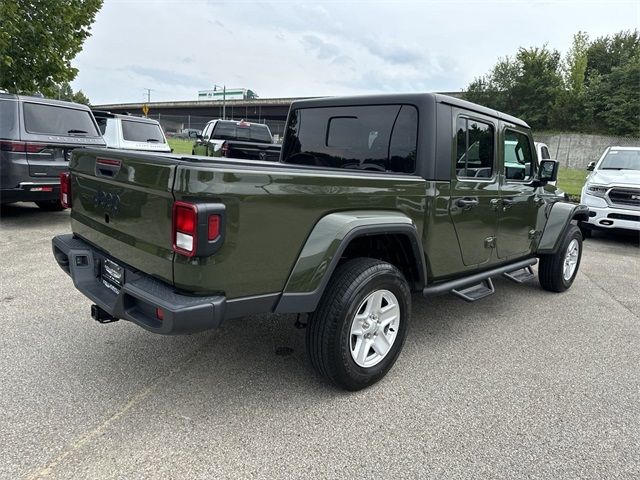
(140, 294)
(31, 192)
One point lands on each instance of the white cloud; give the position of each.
(289, 48)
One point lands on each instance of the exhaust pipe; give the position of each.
(101, 315)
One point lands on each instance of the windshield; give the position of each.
(246, 132)
(141, 131)
(621, 160)
(58, 120)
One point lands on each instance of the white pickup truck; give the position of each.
(233, 139)
(131, 133)
(612, 191)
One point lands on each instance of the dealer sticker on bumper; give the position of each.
(112, 275)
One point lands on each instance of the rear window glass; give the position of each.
(57, 120)
(377, 138)
(8, 123)
(141, 131)
(246, 132)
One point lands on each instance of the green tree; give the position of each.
(538, 86)
(495, 90)
(38, 40)
(575, 64)
(613, 100)
(606, 53)
(569, 109)
(595, 88)
(65, 92)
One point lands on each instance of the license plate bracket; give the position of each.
(112, 273)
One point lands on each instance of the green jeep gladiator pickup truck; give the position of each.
(373, 198)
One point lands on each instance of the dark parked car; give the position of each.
(37, 136)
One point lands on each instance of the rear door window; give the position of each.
(377, 138)
(474, 148)
(58, 120)
(141, 131)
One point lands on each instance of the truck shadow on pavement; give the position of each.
(623, 237)
(20, 213)
(263, 356)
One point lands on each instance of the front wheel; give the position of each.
(358, 330)
(558, 271)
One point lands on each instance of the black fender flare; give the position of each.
(558, 221)
(307, 301)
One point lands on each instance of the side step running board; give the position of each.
(460, 284)
(521, 275)
(476, 292)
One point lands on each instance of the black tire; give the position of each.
(329, 328)
(50, 205)
(550, 270)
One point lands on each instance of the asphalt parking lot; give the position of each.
(523, 384)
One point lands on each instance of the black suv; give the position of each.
(36, 138)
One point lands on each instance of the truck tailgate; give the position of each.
(254, 151)
(122, 204)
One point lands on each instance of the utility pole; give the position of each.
(224, 99)
(148, 90)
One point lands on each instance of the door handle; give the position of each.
(467, 202)
(507, 202)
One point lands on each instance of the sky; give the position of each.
(297, 49)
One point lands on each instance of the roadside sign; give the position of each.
(145, 109)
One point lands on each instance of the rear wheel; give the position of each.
(50, 205)
(558, 271)
(358, 330)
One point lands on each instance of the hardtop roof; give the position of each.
(409, 98)
(45, 101)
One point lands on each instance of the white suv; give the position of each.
(612, 190)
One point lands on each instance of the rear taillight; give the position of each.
(197, 229)
(65, 189)
(185, 227)
(26, 147)
(226, 150)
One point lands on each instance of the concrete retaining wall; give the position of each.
(576, 150)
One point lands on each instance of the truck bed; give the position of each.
(270, 210)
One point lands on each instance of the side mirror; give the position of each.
(591, 167)
(548, 171)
